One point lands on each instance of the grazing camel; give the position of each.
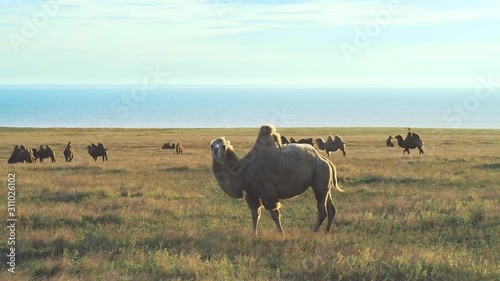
(331, 144)
(271, 172)
(21, 155)
(179, 148)
(98, 150)
(44, 152)
(412, 141)
(388, 142)
(69, 152)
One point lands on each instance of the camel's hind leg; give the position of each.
(421, 150)
(331, 212)
(321, 199)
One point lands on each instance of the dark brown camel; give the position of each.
(21, 155)
(388, 142)
(45, 152)
(98, 150)
(412, 141)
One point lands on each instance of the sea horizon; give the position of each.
(193, 106)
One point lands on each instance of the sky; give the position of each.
(346, 43)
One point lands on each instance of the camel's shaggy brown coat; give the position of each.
(271, 172)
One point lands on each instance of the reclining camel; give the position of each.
(21, 155)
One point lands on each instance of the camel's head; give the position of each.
(219, 147)
(89, 147)
(399, 137)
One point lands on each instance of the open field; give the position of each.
(148, 214)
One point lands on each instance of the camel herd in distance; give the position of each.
(21, 154)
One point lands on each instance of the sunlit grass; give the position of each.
(148, 214)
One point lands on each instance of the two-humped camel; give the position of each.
(271, 172)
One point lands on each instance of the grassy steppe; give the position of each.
(148, 214)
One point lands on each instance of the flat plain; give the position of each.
(149, 214)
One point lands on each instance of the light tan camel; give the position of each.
(179, 148)
(271, 172)
(331, 144)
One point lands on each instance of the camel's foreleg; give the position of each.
(276, 216)
(255, 219)
(255, 205)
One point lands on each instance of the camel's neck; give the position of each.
(401, 143)
(229, 174)
(321, 144)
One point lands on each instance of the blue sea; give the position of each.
(216, 107)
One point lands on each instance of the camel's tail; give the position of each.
(334, 179)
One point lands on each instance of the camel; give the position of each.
(21, 155)
(331, 144)
(98, 150)
(69, 152)
(44, 152)
(308, 141)
(179, 148)
(271, 172)
(411, 141)
(388, 142)
(167, 145)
